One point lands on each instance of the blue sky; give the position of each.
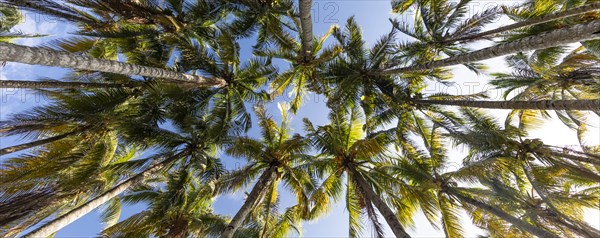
(371, 15)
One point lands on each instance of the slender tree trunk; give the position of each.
(30, 145)
(307, 28)
(64, 85)
(71, 216)
(383, 208)
(502, 215)
(259, 188)
(48, 57)
(530, 22)
(574, 225)
(573, 34)
(581, 105)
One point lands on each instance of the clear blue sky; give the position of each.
(371, 15)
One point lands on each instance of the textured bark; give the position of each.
(581, 105)
(307, 28)
(64, 85)
(503, 215)
(383, 208)
(32, 144)
(71, 216)
(583, 230)
(255, 195)
(530, 22)
(48, 57)
(573, 34)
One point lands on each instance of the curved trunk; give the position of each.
(48, 57)
(574, 225)
(30, 145)
(581, 105)
(64, 85)
(71, 216)
(307, 28)
(255, 195)
(573, 34)
(383, 208)
(530, 22)
(502, 215)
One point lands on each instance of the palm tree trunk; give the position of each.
(581, 105)
(307, 28)
(383, 208)
(64, 85)
(502, 215)
(573, 34)
(574, 225)
(530, 22)
(71, 216)
(259, 188)
(48, 57)
(29, 145)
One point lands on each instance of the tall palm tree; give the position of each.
(343, 149)
(57, 178)
(420, 176)
(193, 144)
(306, 28)
(181, 208)
(64, 85)
(48, 57)
(552, 74)
(582, 105)
(540, 41)
(275, 157)
(72, 114)
(434, 23)
(303, 74)
(505, 149)
(267, 18)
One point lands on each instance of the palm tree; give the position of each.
(193, 144)
(181, 208)
(575, 11)
(73, 114)
(434, 23)
(58, 178)
(583, 105)
(400, 6)
(275, 158)
(303, 75)
(221, 59)
(547, 74)
(306, 26)
(541, 41)
(419, 176)
(48, 57)
(64, 85)
(266, 17)
(343, 149)
(492, 146)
